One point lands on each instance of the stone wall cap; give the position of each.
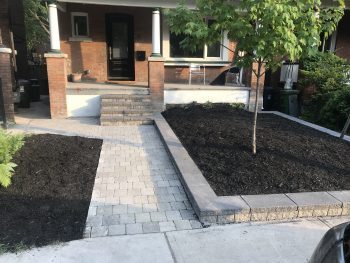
(157, 59)
(5, 50)
(55, 55)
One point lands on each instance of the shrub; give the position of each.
(9, 145)
(330, 105)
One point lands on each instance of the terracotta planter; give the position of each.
(76, 77)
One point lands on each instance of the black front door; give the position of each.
(120, 49)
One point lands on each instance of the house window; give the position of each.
(80, 24)
(210, 51)
(176, 51)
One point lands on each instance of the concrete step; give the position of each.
(127, 104)
(124, 96)
(110, 91)
(125, 120)
(125, 107)
(131, 112)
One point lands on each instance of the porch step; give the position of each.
(121, 109)
(125, 120)
(105, 111)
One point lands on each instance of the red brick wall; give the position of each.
(93, 55)
(343, 37)
(156, 82)
(6, 79)
(56, 70)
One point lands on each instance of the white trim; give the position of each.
(73, 14)
(135, 3)
(202, 63)
(80, 39)
(333, 41)
(224, 53)
(5, 50)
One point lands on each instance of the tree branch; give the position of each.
(40, 22)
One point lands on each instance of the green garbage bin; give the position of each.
(290, 102)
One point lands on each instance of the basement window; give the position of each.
(80, 25)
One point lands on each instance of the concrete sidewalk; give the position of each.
(251, 242)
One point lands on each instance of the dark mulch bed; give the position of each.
(50, 193)
(290, 157)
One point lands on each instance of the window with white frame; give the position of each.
(207, 51)
(80, 24)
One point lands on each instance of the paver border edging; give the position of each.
(211, 208)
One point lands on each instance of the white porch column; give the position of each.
(156, 34)
(54, 30)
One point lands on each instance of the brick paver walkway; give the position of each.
(136, 188)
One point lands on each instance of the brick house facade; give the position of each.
(12, 24)
(91, 53)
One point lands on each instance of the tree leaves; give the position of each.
(37, 23)
(266, 30)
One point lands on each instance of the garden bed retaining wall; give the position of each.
(211, 208)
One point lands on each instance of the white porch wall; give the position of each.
(83, 105)
(203, 96)
(89, 105)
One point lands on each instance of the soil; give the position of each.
(290, 157)
(50, 193)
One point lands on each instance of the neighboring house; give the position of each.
(339, 42)
(13, 38)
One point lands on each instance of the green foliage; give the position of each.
(5, 248)
(36, 22)
(266, 31)
(9, 145)
(239, 106)
(330, 105)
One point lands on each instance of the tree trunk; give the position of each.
(256, 108)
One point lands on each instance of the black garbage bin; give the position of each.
(268, 98)
(34, 91)
(24, 91)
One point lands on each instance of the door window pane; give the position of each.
(120, 41)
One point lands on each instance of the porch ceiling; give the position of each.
(166, 3)
(136, 3)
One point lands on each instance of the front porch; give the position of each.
(86, 99)
(124, 52)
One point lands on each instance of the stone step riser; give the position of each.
(120, 123)
(126, 105)
(126, 114)
(124, 109)
(130, 101)
(140, 108)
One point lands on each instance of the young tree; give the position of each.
(267, 32)
(37, 22)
